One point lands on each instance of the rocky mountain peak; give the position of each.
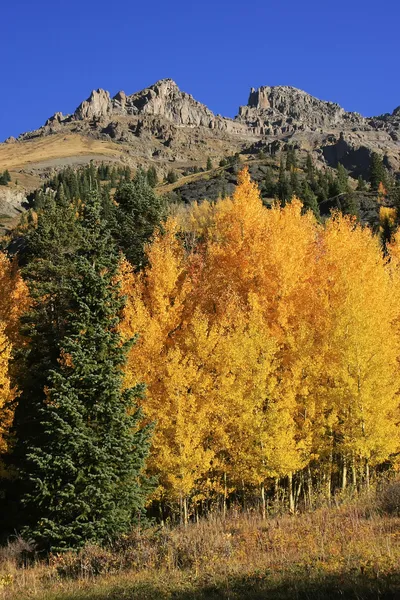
(270, 108)
(98, 106)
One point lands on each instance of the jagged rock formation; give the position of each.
(284, 109)
(162, 124)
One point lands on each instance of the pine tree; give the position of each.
(309, 200)
(152, 178)
(377, 172)
(294, 183)
(310, 170)
(171, 177)
(361, 184)
(209, 165)
(342, 179)
(80, 450)
(269, 187)
(140, 211)
(283, 186)
(291, 159)
(349, 204)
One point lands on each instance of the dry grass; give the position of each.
(31, 152)
(348, 552)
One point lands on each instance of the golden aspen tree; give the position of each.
(175, 398)
(13, 302)
(361, 360)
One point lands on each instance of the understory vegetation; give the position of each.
(348, 550)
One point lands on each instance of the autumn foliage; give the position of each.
(13, 302)
(269, 346)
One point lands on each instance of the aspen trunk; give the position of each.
(344, 474)
(276, 490)
(290, 490)
(309, 487)
(225, 495)
(354, 472)
(264, 512)
(185, 511)
(367, 474)
(329, 477)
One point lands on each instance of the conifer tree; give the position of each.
(140, 212)
(377, 173)
(152, 178)
(79, 452)
(309, 200)
(361, 184)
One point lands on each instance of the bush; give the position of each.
(388, 498)
(87, 563)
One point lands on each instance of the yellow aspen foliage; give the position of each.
(382, 192)
(6, 393)
(13, 302)
(14, 298)
(268, 342)
(387, 214)
(361, 359)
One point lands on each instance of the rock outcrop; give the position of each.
(163, 123)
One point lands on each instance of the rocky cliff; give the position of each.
(165, 125)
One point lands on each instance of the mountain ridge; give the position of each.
(164, 125)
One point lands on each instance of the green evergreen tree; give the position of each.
(349, 204)
(310, 170)
(342, 180)
(269, 186)
(283, 186)
(291, 159)
(361, 184)
(152, 178)
(81, 457)
(377, 172)
(209, 165)
(171, 177)
(140, 211)
(309, 200)
(295, 183)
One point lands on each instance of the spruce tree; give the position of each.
(342, 180)
(80, 457)
(361, 184)
(310, 167)
(309, 200)
(140, 211)
(377, 173)
(209, 165)
(283, 186)
(152, 178)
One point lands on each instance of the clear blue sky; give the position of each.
(54, 52)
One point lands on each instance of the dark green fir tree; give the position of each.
(80, 448)
(140, 211)
(377, 172)
(309, 200)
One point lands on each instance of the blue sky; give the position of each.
(55, 52)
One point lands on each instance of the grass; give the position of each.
(348, 551)
(59, 146)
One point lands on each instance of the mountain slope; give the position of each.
(164, 126)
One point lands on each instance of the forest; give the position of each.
(165, 363)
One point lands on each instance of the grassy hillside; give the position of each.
(351, 550)
(53, 151)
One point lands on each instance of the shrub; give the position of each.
(388, 498)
